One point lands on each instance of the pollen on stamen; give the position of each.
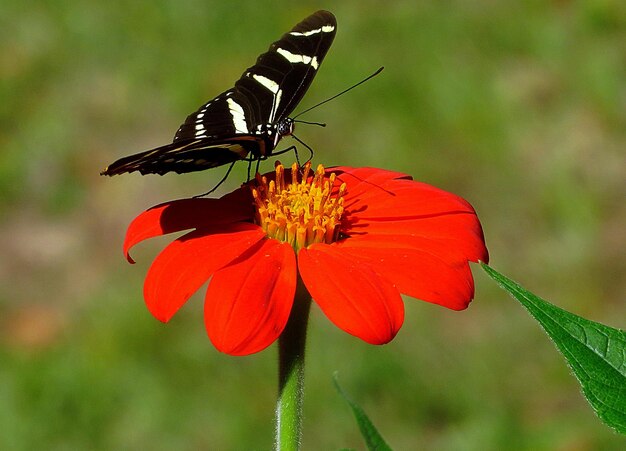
(300, 211)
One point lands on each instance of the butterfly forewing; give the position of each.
(225, 116)
(292, 61)
(244, 121)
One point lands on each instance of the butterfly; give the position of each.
(247, 121)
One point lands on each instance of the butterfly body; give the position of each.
(248, 120)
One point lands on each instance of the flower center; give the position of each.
(299, 212)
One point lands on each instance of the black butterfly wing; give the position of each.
(281, 76)
(240, 121)
(187, 156)
(214, 135)
(270, 90)
(229, 114)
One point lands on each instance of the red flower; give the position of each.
(361, 237)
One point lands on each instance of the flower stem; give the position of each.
(291, 373)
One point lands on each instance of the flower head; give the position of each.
(358, 238)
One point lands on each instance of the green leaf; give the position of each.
(373, 439)
(596, 353)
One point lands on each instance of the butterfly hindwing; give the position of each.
(188, 156)
(249, 119)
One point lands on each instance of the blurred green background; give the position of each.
(520, 107)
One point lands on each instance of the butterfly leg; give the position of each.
(311, 153)
(250, 160)
(230, 168)
(289, 149)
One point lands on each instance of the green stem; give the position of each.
(291, 373)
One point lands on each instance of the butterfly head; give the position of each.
(283, 128)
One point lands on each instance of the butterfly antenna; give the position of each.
(321, 124)
(341, 93)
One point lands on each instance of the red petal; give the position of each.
(248, 302)
(360, 180)
(185, 214)
(418, 273)
(380, 201)
(458, 236)
(352, 295)
(188, 262)
(354, 176)
(403, 199)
